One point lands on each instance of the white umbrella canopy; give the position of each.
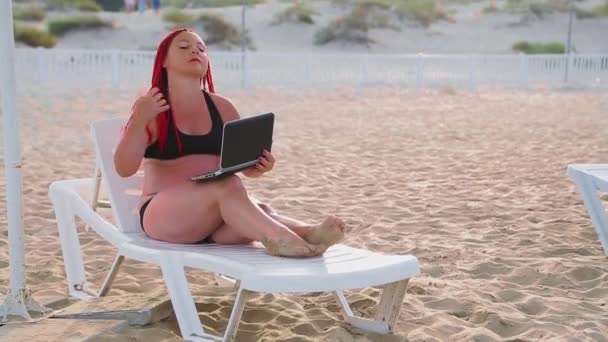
(18, 301)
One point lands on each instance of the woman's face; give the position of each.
(187, 55)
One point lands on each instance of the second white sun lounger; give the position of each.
(590, 180)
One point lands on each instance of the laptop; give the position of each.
(242, 144)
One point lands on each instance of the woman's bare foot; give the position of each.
(328, 233)
(281, 247)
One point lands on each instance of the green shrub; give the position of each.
(59, 4)
(177, 16)
(350, 29)
(596, 12)
(297, 12)
(29, 12)
(375, 13)
(538, 7)
(341, 3)
(175, 3)
(208, 3)
(83, 5)
(33, 36)
(601, 11)
(539, 48)
(219, 31)
(225, 3)
(584, 14)
(87, 6)
(111, 5)
(353, 28)
(422, 11)
(61, 26)
(489, 9)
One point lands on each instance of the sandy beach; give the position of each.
(472, 183)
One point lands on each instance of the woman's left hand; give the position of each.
(265, 164)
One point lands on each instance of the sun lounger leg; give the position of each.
(390, 303)
(388, 309)
(70, 245)
(95, 196)
(594, 206)
(181, 297)
(237, 312)
(111, 275)
(224, 281)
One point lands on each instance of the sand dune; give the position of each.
(470, 31)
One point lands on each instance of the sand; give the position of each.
(472, 183)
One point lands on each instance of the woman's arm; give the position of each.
(131, 148)
(252, 172)
(133, 143)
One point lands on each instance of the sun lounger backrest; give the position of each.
(123, 192)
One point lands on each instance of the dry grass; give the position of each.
(296, 13)
(221, 32)
(34, 37)
(178, 17)
(29, 12)
(77, 22)
(539, 48)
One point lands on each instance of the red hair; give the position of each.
(160, 81)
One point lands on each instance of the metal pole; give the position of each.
(12, 152)
(243, 46)
(17, 301)
(569, 41)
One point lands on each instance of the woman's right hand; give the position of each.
(148, 106)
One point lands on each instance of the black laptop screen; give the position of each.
(245, 139)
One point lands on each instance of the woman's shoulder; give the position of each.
(225, 106)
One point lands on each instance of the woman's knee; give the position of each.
(232, 185)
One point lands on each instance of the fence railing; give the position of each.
(234, 70)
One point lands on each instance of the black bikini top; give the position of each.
(210, 143)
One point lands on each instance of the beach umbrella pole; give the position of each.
(18, 301)
(243, 45)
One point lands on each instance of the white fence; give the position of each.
(233, 70)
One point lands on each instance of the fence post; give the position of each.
(472, 68)
(40, 69)
(307, 67)
(523, 69)
(567, 67)
(419, 70)
(115, 71)
(244, 69)
(366, 70)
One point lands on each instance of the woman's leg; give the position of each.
(326, 233)
(191, 212)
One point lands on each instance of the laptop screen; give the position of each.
(245, 139)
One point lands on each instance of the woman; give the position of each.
(176, 129)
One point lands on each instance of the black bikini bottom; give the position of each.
(142, 211)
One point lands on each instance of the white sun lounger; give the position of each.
(340, 268)
(590, 180)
